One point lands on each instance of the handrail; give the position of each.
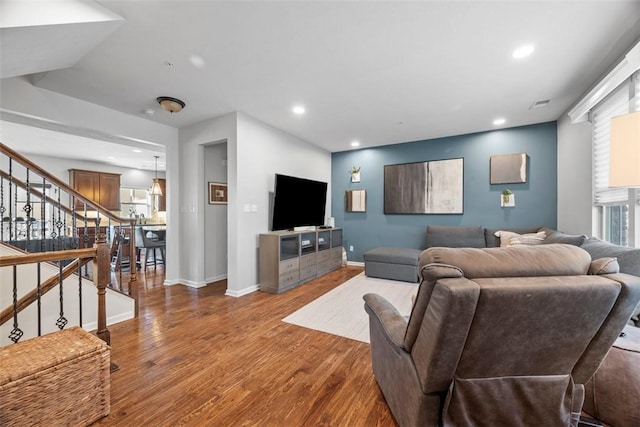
(32, 258)
(26, 162)
(101, 272)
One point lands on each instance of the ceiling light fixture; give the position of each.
(172, 105)
(155, 188)
(355, 143)
(298, 109)
(499, 121)
(523, 51)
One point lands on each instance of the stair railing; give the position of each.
(39, 213)
(98, 255)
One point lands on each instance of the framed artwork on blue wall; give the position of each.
(508, 169)
(432, 187)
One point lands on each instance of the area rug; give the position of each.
(341, 310)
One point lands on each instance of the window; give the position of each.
(613, 203)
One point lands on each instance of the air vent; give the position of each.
(540, 104)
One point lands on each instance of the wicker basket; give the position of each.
(59, 379)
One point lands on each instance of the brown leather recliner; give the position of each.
(499, 336)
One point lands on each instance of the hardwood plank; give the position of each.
(195, 357)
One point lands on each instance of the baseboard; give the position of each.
(355, 263)
(241, 292)
(92, 326)
(216, 278)
(194, 284)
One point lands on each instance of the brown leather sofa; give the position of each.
(499, 336)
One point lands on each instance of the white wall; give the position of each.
(255, 152)
(193, 194)
(215, 221)
(574, 177)
(264, 151)
(59, 167)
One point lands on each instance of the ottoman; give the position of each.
(61, 378)
(392, 263)
(612, 395)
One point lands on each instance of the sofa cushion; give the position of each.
(491, 241)
(455, 236)
(514, 261)
(628, 258)
(555, 236)
(509, 238)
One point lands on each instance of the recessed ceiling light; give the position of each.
(523, 51)
(111, 158)
(499, 121)
(137, 151)
(197, 61)
(355, 143)
(298, 109)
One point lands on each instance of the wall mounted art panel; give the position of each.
(508, 168)
(433, 187)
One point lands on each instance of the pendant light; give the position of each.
(155, 188)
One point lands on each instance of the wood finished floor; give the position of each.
(195, 357)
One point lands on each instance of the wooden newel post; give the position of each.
(133, 267)
(101, 273)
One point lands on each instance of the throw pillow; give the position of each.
(509, 238)
(604, 266)
(554, 236)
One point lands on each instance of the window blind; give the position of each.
(615, 104)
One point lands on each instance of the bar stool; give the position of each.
(143, 242)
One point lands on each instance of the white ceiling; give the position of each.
(380, 72)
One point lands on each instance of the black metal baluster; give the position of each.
(59, 224)
(16, 332)
(3, 219)
(43, 222)
(39, 291)
(27, 210)
(62, 321)
(80, 290)
(13, 227)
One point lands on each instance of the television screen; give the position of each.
(298, 202)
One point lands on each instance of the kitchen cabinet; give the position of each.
(100, 187)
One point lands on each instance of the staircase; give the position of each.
(56, 253)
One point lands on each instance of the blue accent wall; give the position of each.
(536, 200)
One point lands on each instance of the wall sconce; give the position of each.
(624, 154)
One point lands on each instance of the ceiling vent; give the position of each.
(540, 104)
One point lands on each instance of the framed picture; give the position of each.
(217, 193)
(508, 169)
(433, 187)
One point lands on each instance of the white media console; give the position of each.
(291, 258)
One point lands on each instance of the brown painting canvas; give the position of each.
(508, 168)
(433, 187)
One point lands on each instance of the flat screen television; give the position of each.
(298, 202)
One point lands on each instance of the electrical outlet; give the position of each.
(350, 248)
